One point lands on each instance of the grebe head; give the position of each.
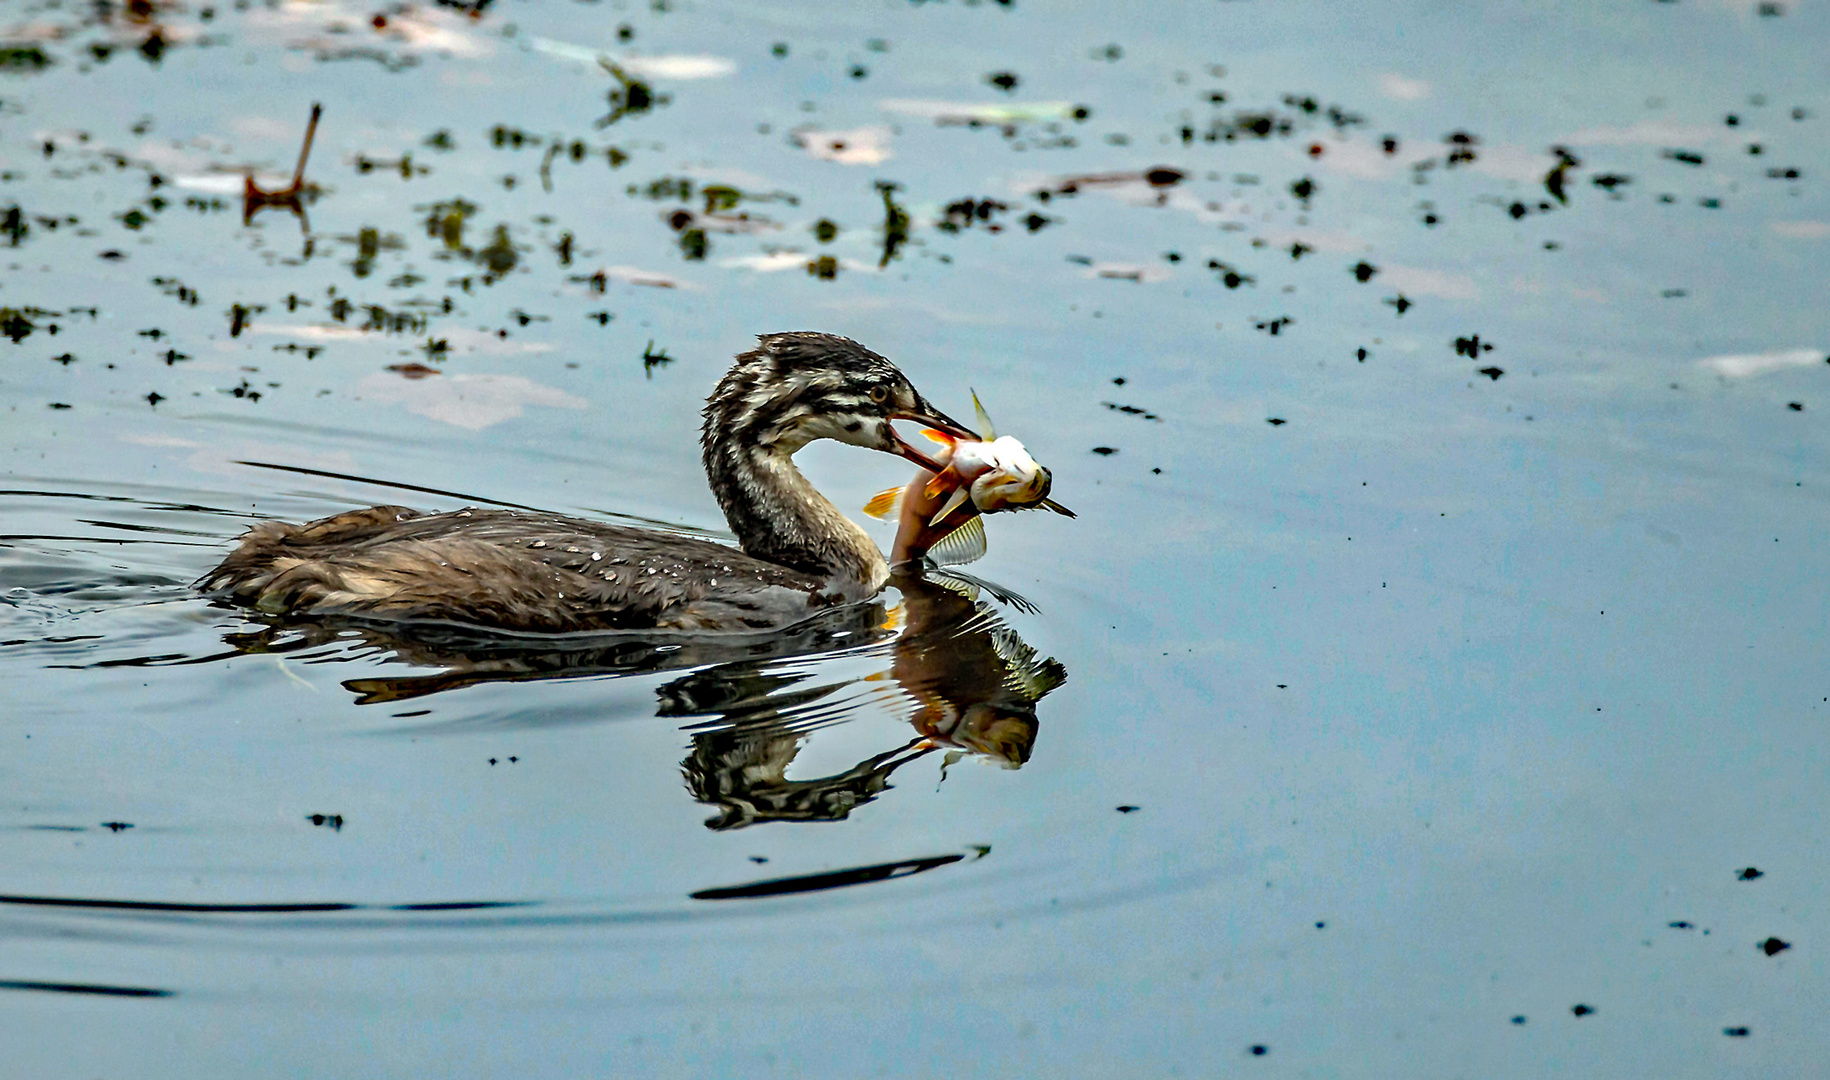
(798, 387)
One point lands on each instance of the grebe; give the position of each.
(537, 572)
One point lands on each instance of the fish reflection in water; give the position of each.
(957, 673)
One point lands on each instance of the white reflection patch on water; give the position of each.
(653, 279)
(1741, 365)
(1401, 88)
(1364, 159)
(225, 183)
(665, 66)
(869, 145)
(473, 402)
(1507, 162)
(346, 28)
(1143, 273)
(679, 67)
(776, 261)
(965, 112)
(768, 263)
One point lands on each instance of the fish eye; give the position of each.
(880, 393)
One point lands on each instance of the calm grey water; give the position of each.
(1443, 627)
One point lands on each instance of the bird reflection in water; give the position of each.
(961, 677)
(956, 672)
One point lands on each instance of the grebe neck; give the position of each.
(779, 516)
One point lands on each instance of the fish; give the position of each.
(939, 515)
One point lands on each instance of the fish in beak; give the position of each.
(928, 417)
(969, 474)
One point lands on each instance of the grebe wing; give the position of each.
(511, 570)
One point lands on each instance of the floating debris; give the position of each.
(293, 196)
(630, 97)
(652, 359)
(895, 223)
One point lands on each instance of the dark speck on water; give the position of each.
(1472, 346)
(1582, 1010)
(1773, 946)
(1750, 874)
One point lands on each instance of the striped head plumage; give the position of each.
(794, 388)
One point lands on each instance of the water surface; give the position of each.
(1432, 683)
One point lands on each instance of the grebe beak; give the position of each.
(927, 416)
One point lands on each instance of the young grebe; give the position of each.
(530, 571)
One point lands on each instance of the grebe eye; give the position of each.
(880, 393)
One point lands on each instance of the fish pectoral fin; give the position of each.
(885, 503)
(953, 502)
(961, 546)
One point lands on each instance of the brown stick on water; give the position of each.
(255, 198)
(311, 132)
